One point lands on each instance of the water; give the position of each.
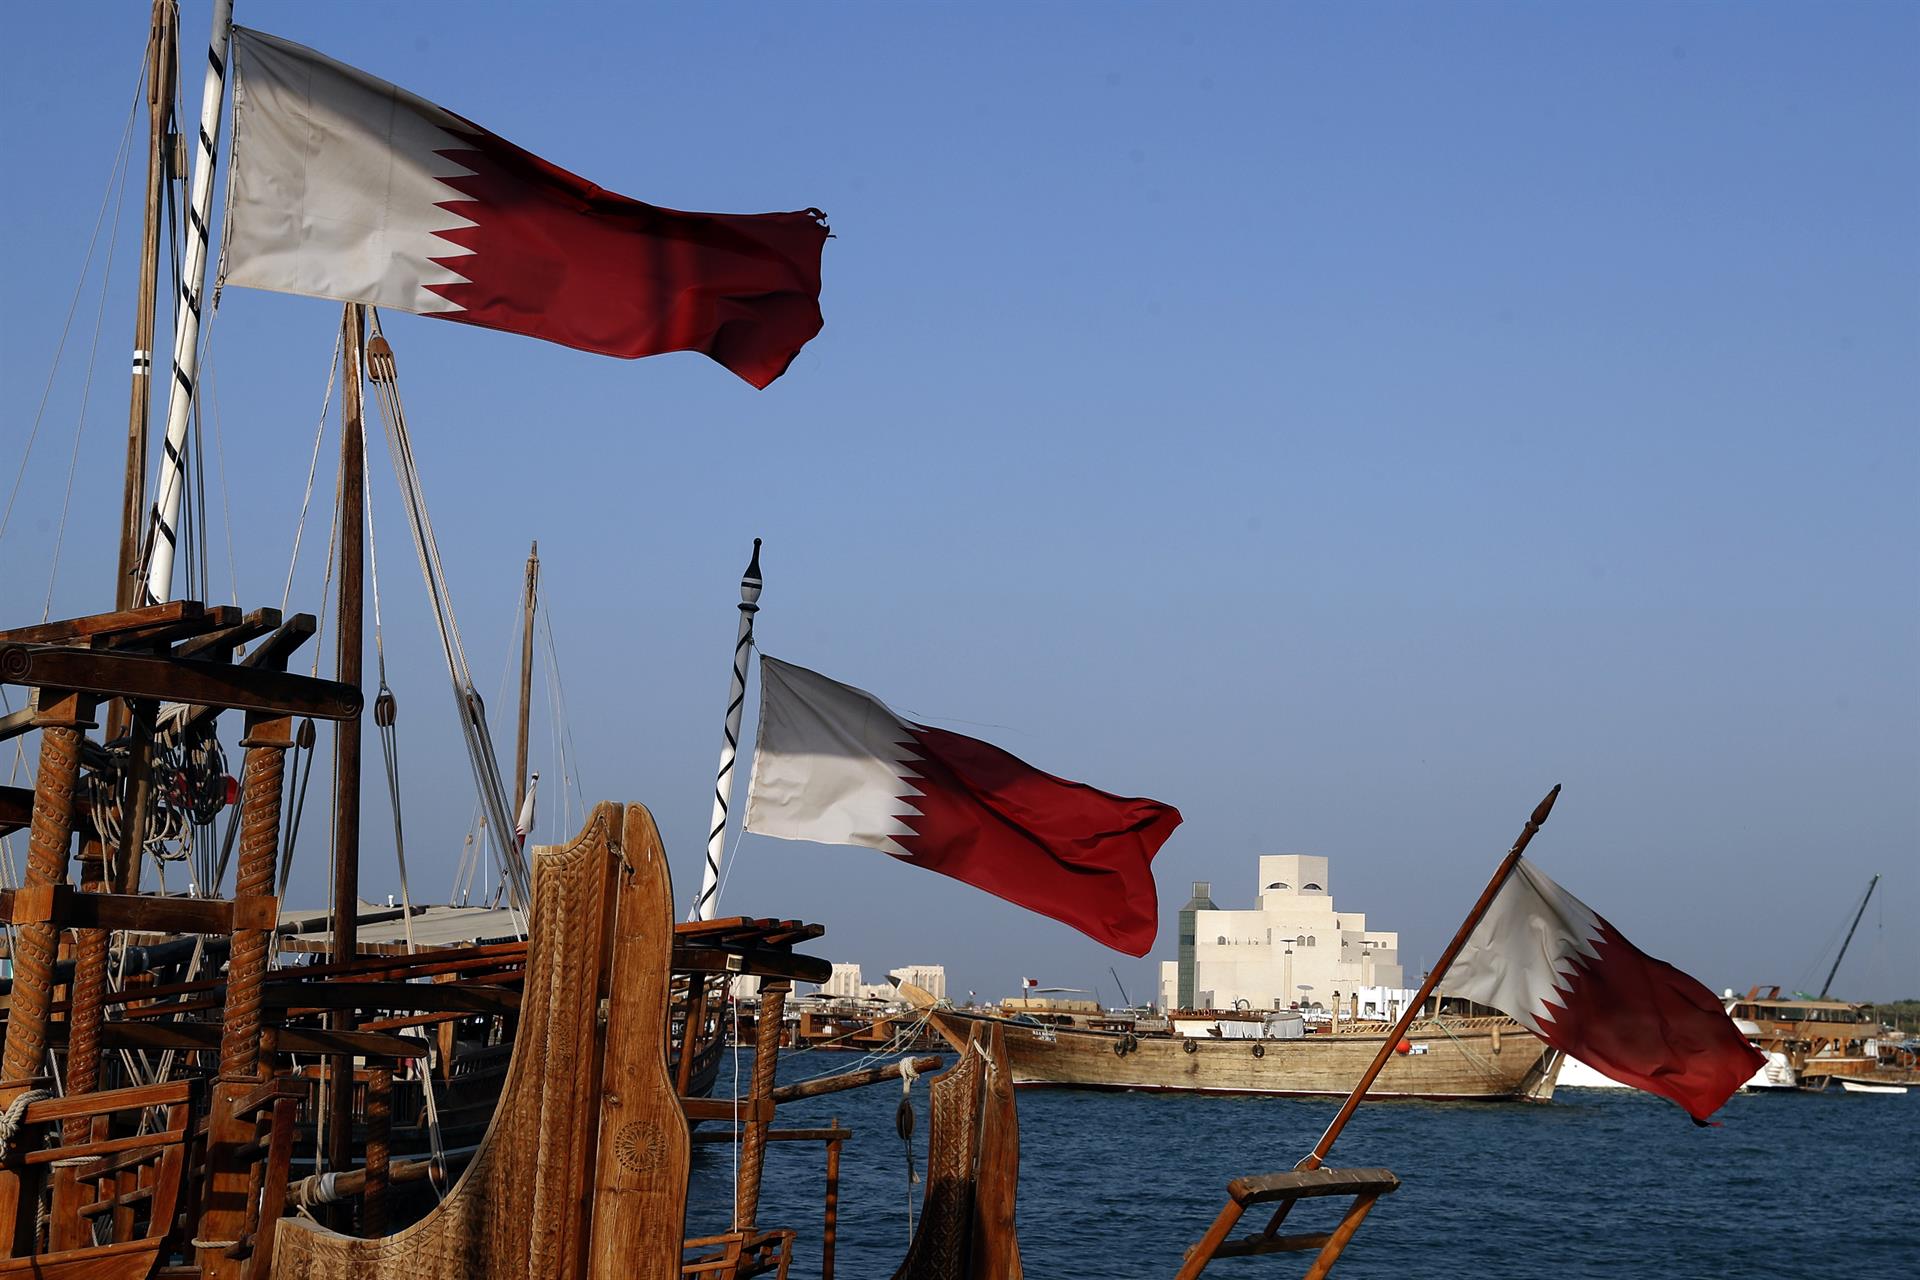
(1600, 1183)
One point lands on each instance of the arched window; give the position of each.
(1278, 884)
(1300, 941)
(1309, 940)
(1312, 888)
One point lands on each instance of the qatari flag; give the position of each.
(1544, 958)
(831, 763)
(346, 187)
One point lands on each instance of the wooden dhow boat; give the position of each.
(1443, 1058)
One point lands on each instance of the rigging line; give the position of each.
(572, 750)
(472, 711)
(115, 178)
(384, 706)
(313, 465)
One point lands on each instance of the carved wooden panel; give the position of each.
(519, 1208)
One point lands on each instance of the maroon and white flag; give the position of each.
(832, 764)
(346, 187)
(1544, 958)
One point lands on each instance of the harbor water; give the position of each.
(1598, 1183)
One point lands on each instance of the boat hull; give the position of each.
(1468, 1059)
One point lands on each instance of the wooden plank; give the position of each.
(747, 1111)
(1299, 1184)
(129, 675)
(779, 1135)
(51, 1110)
(1255, 1246)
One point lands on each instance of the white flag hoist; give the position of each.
(723, 784)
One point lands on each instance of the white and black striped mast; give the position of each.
(165, 516)
(709, 899)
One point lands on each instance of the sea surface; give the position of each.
(1598, 1183)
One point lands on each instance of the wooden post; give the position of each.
(62, 720)
(84, 996)
(526, 681)
(125, 870)
(231, 1138)
(693, 1025)
(346, 754)
(830, 1228)
(373, 1200)
(766, 1059)
(1318, 1155)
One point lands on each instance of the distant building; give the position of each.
(1292, 949)
(845, 982)
(929, 977)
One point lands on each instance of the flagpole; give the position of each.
(723, 783)
(1434, 975)
(186, 329)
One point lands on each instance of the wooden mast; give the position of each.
(161, 52)
(526, 681)
(346, 750)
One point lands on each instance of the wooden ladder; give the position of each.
(1285, 1190)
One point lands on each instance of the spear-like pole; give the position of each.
(723, 784)
(186, 326)
(1434, 975)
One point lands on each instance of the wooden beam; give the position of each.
(223, 642)
(194, 1036)
(68, 630)
(16, 808)
(428, 997)
(69, 908)
(765, 962)
(127, 675)
(15, 723)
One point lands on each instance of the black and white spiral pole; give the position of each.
(736, 698)
(186, 329)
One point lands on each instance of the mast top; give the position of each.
(750, 582)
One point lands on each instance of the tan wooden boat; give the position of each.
(1448, 1059)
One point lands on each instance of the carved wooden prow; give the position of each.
(966, 1229)
(583, 1171)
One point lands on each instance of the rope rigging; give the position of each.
(472, 710)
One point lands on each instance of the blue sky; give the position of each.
(1340, 422)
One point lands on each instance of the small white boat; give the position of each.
(1871, 1086)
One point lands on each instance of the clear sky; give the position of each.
(1343, 422)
